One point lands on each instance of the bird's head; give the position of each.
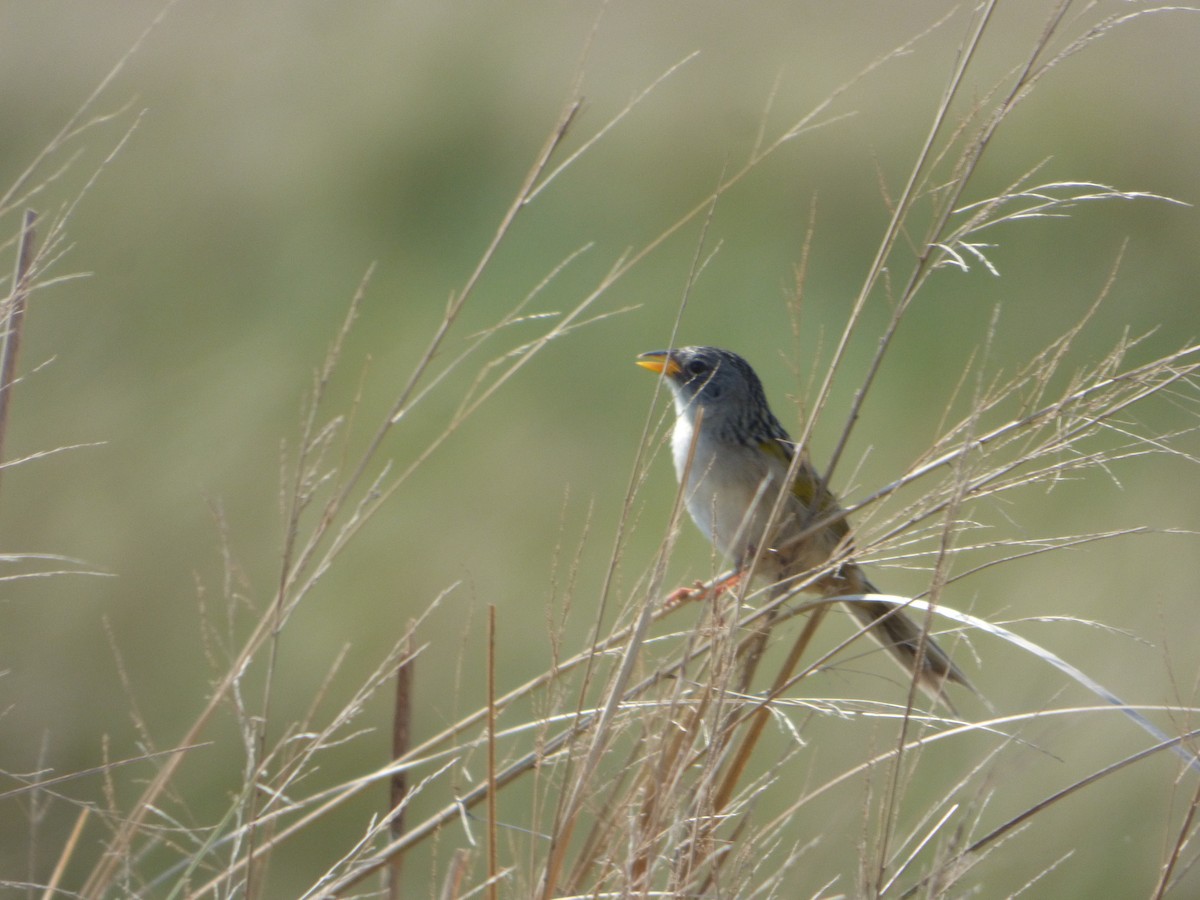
(717, 381)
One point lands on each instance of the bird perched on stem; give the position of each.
(736, 457)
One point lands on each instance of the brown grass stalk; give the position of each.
(13, 321)
(402, 716)
(656, 771)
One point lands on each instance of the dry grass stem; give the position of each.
(667, 751)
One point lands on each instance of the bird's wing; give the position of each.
(807, 487)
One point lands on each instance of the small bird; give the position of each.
(739, 459)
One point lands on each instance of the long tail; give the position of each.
(901, 637)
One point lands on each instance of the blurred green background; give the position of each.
(281, 148)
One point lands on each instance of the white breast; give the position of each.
(730, 488)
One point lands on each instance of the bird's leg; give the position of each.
(701, 591)
(683, 595)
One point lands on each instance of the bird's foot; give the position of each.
(702, 591)
(680, 596)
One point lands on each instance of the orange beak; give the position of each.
(659, 361)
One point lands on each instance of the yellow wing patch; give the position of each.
(806, 488)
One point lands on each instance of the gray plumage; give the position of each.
(740, 459)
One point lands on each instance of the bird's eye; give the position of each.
(697, 367)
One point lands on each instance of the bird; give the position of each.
(735, 456)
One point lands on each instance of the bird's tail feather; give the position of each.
(901, 636)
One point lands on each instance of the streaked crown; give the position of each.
(722, 384)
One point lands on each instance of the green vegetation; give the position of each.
(326, 440)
